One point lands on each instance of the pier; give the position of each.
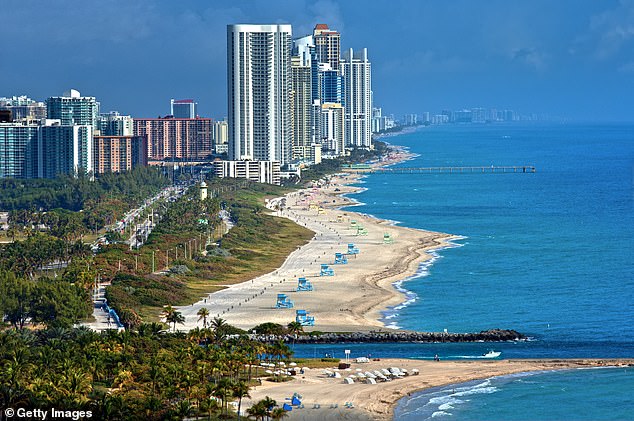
(451, 170)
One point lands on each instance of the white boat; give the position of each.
(492, 354)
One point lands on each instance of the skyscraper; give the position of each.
(72, 109)
(357, 74)
(259, 92)
(183, 108)
(302, 108)
(17, 142)
(327, 45)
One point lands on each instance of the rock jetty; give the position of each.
(494, 335)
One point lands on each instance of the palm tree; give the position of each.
(172, 316)
(203, 313)
(259, 411)
(279, 413)
(219, 327)
(240, 390)
(295, 328)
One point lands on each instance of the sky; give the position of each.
(566, 58)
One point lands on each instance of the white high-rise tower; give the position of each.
(259, 92)
(357, 75)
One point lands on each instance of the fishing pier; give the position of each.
(363, 168)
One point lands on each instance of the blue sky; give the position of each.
(572, 58)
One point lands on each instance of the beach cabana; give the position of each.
(352, 249)
(283, 301)
(340, 259)
(387, 238)
(302, 317)
(326, 270)
(304, 284)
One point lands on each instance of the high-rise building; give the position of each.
(24, 108)
(257, 171)
(17, 142)
(332, 129)
(74, 109)
(183, 108)
(114, 124)
(331, 86)
(178, 138)
(118, 153)
(302, 108)
(327, 45)
(63, 149)
(259, 92)
(220, 137)
(357, 74)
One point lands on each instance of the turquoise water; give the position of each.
(548, 254)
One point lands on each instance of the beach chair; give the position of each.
(304, 284)
(352, 249)
(340, 259)
(283, 301)
(387, 238)
(326, 270)
(302, 317)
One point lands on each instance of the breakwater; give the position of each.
(494, 335)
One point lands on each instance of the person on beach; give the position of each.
(436, 357)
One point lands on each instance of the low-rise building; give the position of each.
(258, 171)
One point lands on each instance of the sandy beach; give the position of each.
(325, 398)
(352, 299)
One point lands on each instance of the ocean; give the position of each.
(548, 254)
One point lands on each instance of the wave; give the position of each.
(410, 296)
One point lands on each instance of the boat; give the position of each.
(492, 354)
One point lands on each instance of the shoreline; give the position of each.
(357, 297)
(378, 401)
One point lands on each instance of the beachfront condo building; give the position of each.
(357, 75)
(115, 124)
(176, 138)
(73, 109)
(118, 153)
(17, 141)
(332, 130)
(220, 137)
(327, 45)
(257, 171)
(301, 109)
(259, 89)
(62, 149)
(183, 108)
(24, 108)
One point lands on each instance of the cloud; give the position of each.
(530, 57)
(612, 30)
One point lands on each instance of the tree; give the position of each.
(240, 390)
(278, 413)
(172, 316)
(203, 313)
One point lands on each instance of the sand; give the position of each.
(376, 402)
(352, 299)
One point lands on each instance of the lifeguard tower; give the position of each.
(352, 249)
(302, 317)
(326, 270)
(341, 259)
(304, 284)
(353, 224)
(339, 218)
(387, 238)
(283, 301)
(361, 230)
